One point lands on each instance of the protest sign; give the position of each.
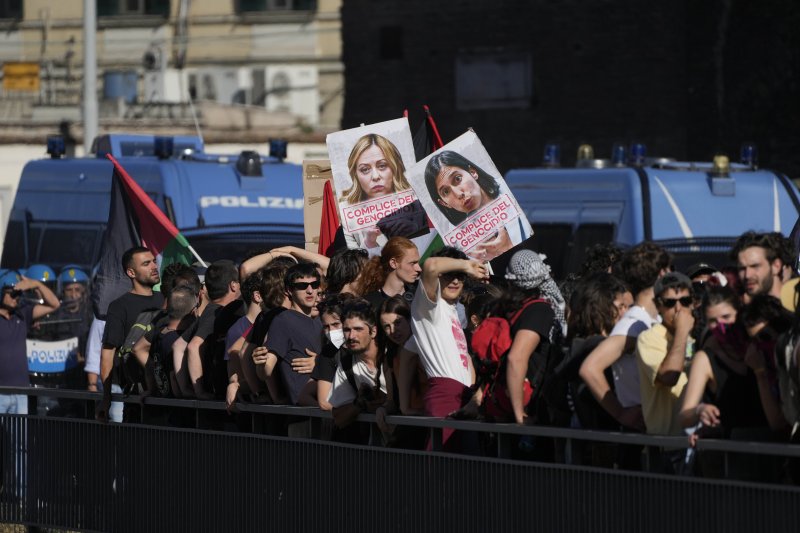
(467, 199)
(376, 201)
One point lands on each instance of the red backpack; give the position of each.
(490, 344)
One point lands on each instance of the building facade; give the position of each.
(281, 56)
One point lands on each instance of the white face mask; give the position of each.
(336, 336)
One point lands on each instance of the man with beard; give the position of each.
(124, 312)
(359, 365)
(760, 260)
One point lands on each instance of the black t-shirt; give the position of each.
(377, 298)
(159, 323)
(538, 317)
(289, 335)
(122, 314)
(325, 363)
(212, 326)
(258, 333)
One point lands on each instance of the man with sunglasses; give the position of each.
(661, 354)
(295, 335)
(15, 320)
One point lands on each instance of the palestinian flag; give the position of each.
(133, 220)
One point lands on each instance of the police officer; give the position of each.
(16, 317)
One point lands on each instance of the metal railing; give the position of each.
(141, 477)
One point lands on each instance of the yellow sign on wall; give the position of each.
(19, 76)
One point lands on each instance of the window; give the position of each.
(121, 8)
(258, 6)
(585, 236)
(564, 246)
(511, 85)
(10, 9)
(61, 246)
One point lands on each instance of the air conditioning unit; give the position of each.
(166, 86)
(291, 88)
(224, 85)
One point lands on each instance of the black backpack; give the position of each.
(129, 372)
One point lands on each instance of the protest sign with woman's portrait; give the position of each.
(369, 174)
(468, 201)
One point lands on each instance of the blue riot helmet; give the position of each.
(43, 273)
(73, 286)
(3, 272)
(7, 282)
(9, 279)
(72, 274)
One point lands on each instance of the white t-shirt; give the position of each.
(440, 341)
(342, 392)
(625, 369)
(93, 345)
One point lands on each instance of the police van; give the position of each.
(224, 205)
(694, 210)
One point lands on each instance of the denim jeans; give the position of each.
(13, 404)
(14, 440)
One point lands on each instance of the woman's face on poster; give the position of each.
(373, 173)
(458, 189)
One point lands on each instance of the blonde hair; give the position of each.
(355, 193)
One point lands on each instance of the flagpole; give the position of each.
(197, 256)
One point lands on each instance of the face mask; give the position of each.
(336, 336)
(732, 335)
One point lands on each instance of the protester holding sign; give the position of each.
(377, 203)
(470, 206)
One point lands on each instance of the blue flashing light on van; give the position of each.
(219, 202)
(694, 210)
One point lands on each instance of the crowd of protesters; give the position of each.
(625, 344)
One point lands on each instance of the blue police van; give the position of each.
(224, 205)
(694, 210)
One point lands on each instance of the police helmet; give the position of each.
(42, 273)
(9, 279)
(72, 274)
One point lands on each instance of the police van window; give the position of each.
(587, 235)
(14, 246)
(237, 246)
(137, 148)
(61, 246)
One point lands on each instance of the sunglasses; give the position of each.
(669, 303)
(455, 275)
(303, 285)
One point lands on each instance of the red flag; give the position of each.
(330, 221)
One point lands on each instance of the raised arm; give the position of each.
(258, 262)
(301, 254)
(51, 302)
(434, 267)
